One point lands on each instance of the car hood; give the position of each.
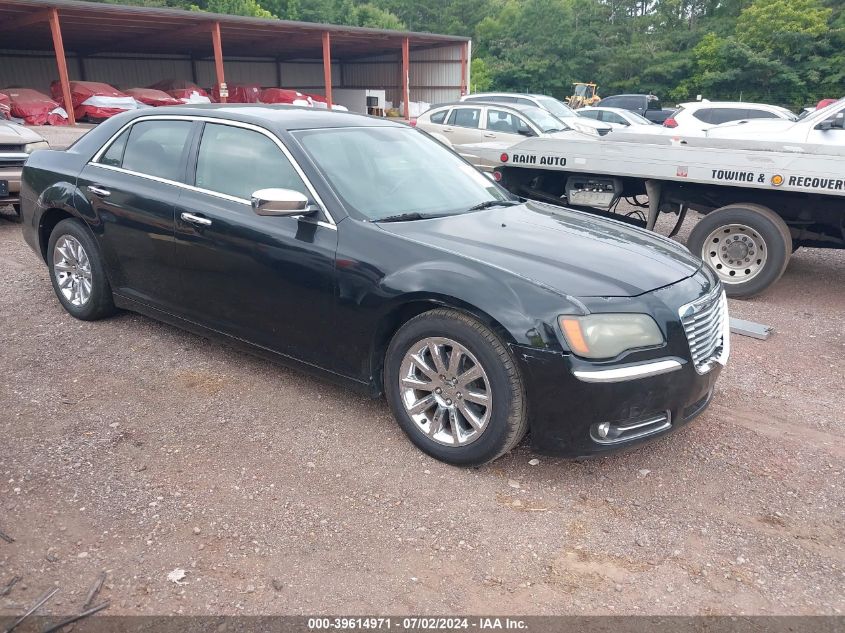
(750, 129)
(574, 253)
(14, 134)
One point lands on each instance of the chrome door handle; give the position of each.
(195, 219)
(99, 191)
(489, 135)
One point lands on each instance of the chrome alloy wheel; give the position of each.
(72, 269)
(736, 252)
(445, 391)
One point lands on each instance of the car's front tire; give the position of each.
(77, 272)
(455, 388)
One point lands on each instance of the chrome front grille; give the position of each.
(706, 325)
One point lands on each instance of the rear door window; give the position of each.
(726, 115)
(591, 114)
(438, 117)
(702, 115)
(465, 117)
(114, 154)
(630, 103)
(154, 148)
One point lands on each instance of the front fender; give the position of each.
(515, 307)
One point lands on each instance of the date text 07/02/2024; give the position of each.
(416, 623)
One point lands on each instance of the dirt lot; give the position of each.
(132, 447)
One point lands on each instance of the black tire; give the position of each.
(17, 209)
(767, 224)
(100, 303)
(508, 420)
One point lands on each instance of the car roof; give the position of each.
(621, 111)
(727, 104)
(280, 117)
(503, 94)
(475, 104)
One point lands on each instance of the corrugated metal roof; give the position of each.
(89, 28)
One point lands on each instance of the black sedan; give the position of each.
(363, 250)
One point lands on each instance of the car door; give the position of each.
(829, 131)
(263, 279)
(506, 127)
(463, 125)
(130, 190)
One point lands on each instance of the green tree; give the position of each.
(781, 28)
(479, 76)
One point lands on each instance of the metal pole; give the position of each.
(464, 61)
(406, 93)
(327, 66)
(61, 62)
(218, 59)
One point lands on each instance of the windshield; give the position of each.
(543, 119)
(381, 172)
(559, 109)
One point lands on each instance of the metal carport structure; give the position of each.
(92, 41)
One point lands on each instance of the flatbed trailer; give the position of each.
(762, 200)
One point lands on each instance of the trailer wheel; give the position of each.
(747, 245)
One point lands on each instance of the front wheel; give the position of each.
(747, 245)
(455, 388)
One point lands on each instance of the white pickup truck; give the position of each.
(763, 194)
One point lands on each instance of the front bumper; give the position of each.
(565, 411)
(12, 175)
(578, 407)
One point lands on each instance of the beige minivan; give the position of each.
(16, 144)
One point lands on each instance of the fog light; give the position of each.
(603, 429)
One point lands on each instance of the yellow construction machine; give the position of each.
(583, 95)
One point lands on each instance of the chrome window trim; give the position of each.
(207, 119)
(628, 372)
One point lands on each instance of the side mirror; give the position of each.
(280, 203)
(836, 123)
(524, 131)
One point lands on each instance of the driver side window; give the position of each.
(237, 162)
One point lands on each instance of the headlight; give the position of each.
(608, 335)
(31, 147)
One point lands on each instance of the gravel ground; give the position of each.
(134, 448)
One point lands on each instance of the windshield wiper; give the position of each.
(404, 217)
(493, 203)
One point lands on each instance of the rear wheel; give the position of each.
(77, 272)
(455, 389)
(747, 245)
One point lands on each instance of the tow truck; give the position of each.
(761, 199)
